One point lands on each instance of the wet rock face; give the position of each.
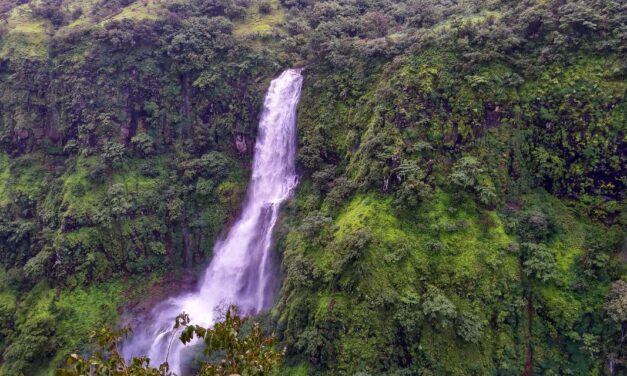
(125, 133)
(240, 144)
(21, 134)
(53, 134)
(38, 133)
(493, 117)
(19, 143)
(23, 140)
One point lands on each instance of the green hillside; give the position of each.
(461, 204)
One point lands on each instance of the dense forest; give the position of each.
(461, 205)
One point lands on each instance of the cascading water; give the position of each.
(241, 270)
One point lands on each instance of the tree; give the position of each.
(533, 226)
(241, 346)
(251, 354)
(469, 327)
(413, 188)
(265, 8)
(36, 340)
(616, 304)
(113, 153)
(466, 172)
(109, 361)
(616, 310)
(539, 262)
(437, 307)
(50, 10)
(143, 144)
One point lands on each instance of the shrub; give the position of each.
(341, 189)
(534, 226)
(465, 172)
(71, 147)
(322, 178)
(265, 7)
(143, 144)
(469, 327)
(205, 187)
(215, 164)
(616, 312)
(50, 10)
(313, 223)
(598, 246)
(349, 250)
(486, 195)
(109, 358)
(113, 153)
(413, 188)
(539, 262)
(96, 172)
(435, 246)
(468, 175)
(242, 352)
(300, 272)
(616, 303)
(118, 202)
(176, 207)
(38, 266)
(148, 170)
(36, 340)
(437, 307)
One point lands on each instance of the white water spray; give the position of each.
(241, 270)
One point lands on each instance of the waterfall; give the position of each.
(241, 270)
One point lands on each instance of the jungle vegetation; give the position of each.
(461, 209)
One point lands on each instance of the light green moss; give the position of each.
(25, 175)
(301, 369)
(257, 23)
(5, 174)
(84, 310)
(26, 40)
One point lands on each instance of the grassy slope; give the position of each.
(258, 23)
(77, 312)
(400, 264)
(475, 271)
(26, 38)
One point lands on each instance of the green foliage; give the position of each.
(388, 291)
(616, 310)
(36, 339)
(113, 154)
(470, 327)
(533, 226)
(38, 266)
(427, 132)
(468, 174)
(110, 361)
(437, 307)
(143, 144)
(413, 189)
(244, 350)
(246, 354)
(538, 262)
(616, 305)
